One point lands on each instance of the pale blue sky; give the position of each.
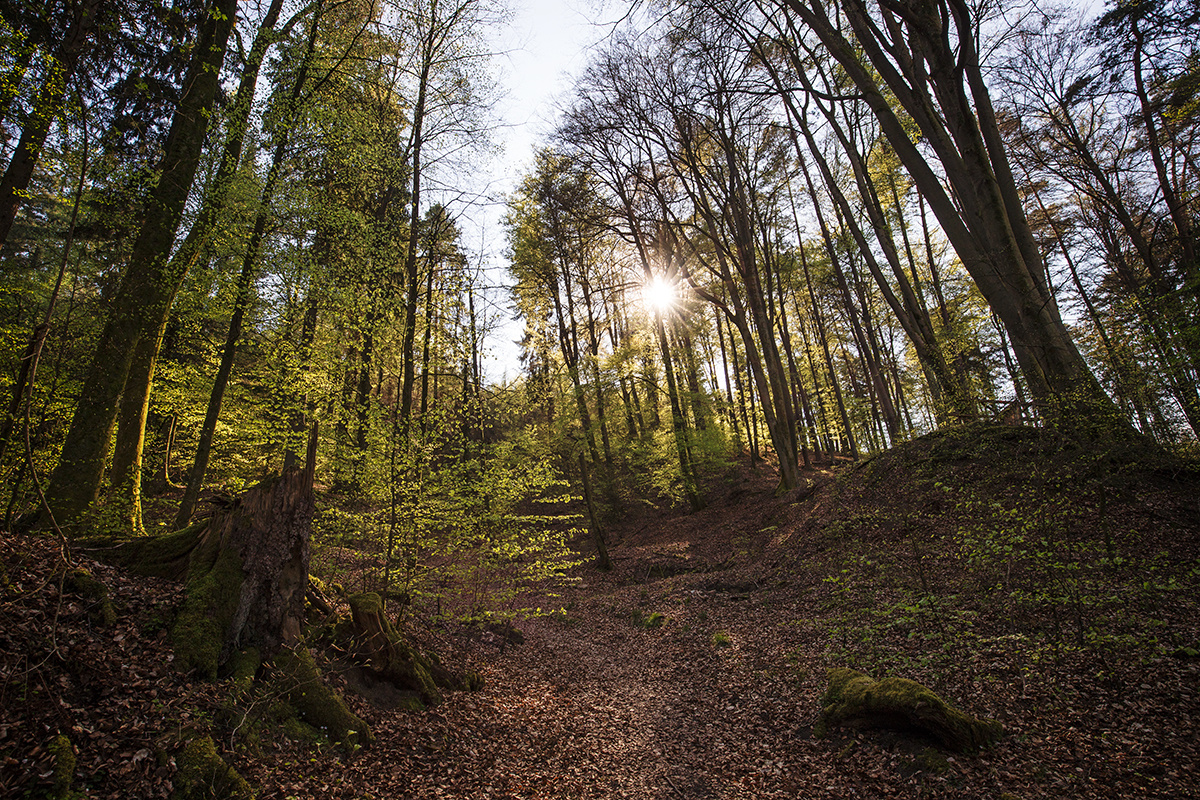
(544, 48)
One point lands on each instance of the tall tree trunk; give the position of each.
(593, 338)
(242, 300)
(426, 343)
(570, 353)
(730, 409)
(46, 106)
(126, 478)
(823, 335)
(1175, 205)
(411, 272)
(144, 291)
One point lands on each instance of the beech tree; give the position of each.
(144, 288)
(925, 58)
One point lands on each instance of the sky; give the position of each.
(542, 50)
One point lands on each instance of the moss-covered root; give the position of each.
(203, 775)
(317, 704)
(84, 584)
(64, 767)
(198, 634)
(901, 703)
(388, 654)
(243, 667)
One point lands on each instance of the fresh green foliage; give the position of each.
(468, 535)
(650, 621)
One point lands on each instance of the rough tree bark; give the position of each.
(246, 568)
(144, 289)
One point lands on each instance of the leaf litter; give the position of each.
(758, 596)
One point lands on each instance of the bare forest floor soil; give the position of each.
(1052, 589)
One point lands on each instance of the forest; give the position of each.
(851, 451)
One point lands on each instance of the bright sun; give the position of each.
(660, 295)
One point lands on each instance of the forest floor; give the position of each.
(1053, 590)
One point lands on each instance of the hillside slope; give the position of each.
(1050, 588)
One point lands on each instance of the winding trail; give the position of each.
(594, 705)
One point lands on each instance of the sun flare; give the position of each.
(660, 295)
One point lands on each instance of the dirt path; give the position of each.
(594, 704)
(716, 702)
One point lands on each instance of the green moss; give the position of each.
(206, 613)
(1186, 652)
(366, 603)
(64, 767)
(317, 704)
(283, 718)
(243, 666)
(397, 662)
(167, 556)
(203, 775)
(647, 621)
(412, 704)
(84, 584)
(408, 667)
(901, 703)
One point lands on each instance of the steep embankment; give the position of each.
(1052, 589)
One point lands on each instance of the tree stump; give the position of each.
(386, 654)
(899, 703)
(246, 568)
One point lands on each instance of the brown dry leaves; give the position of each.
(112, 690)
(594, 705)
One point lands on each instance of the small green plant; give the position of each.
(721, 639)
(647, 621)
(561, 617)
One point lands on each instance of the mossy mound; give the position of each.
(998, 456)
(899, 703)
(203, 775)
(63, 754)
(84, 584)
(317, 704)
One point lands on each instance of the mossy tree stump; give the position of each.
(246, 568)
(898, 703)
(382, 649)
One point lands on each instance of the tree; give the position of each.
(924, 57)
(287, 113)
(126, 475)
(84, 16)
(144, 289)
(447, 34)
